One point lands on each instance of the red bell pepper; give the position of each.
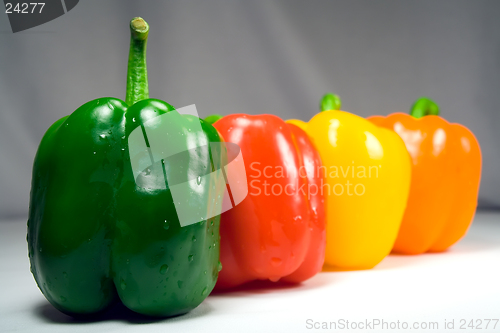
(278, 231)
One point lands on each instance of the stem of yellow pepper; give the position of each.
(424, 107)
(330, 102)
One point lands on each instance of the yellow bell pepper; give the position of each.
(368, 174)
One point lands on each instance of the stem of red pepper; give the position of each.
(330, 102)
(212, 118)
(424, 107)
(137, 72)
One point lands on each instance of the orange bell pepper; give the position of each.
(446, 170)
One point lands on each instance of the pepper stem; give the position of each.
(137, 72)
(212, 118)
(330, 102)
(424, 107)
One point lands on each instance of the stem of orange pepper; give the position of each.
(424, 107)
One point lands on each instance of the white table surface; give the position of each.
(461, 284)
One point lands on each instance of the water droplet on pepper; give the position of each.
(164, 269)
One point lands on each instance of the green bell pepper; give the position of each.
(94, 235)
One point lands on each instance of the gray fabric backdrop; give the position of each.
(254, 57)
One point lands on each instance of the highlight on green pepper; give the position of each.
(104, 222)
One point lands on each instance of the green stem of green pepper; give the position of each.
(424, 107)
(137, 73)
(330, 102)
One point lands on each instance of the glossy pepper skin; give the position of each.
(367, 184)
(446, 170)
(94, 236)
(272, 235)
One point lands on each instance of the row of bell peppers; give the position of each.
(421, 196)
(98, 233)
